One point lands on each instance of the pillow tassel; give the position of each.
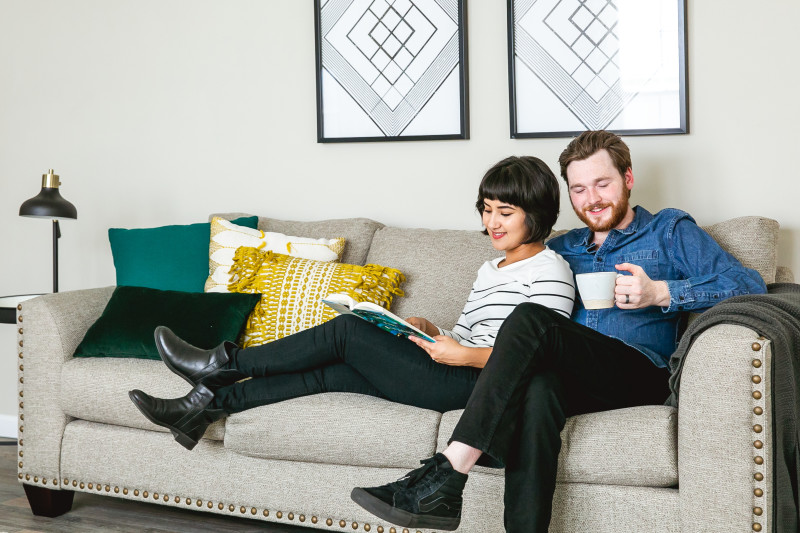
(246, 262)
(384, 281)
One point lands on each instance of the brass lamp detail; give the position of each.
(50, 204)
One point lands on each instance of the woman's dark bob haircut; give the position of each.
(527, 183)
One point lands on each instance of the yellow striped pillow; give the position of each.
(291, 289)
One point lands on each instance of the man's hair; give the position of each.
(589, 143)
(528, 183)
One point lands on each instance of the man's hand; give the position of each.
(449, 352)
(638, 290)
(424, 325)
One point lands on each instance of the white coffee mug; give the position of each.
(597, 289)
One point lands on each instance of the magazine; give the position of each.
(374, 314)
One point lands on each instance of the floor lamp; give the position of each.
(50, 204)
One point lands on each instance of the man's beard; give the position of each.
(618, 212)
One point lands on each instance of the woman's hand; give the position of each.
(424, 325)
(449, 352)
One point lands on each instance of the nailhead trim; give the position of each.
(758, 411)
(146, 495)
(20, 373)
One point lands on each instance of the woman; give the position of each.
(518, 200)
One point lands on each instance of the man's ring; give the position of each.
(627, 299)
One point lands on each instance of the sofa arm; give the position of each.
(725, 432)
(51, 327)
(784, 275)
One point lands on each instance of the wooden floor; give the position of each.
(93, 513)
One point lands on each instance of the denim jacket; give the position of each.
(670, 247)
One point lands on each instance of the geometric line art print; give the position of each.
(390, 70)
(578, 65)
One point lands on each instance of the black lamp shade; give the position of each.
(48, 204)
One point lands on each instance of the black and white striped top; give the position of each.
(544, 279)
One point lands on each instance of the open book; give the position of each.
(375, 314)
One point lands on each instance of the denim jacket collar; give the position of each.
(641, 218)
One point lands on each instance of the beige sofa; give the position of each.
(647, 469)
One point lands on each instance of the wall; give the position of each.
(159, 112)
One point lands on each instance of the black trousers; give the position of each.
(345, 354)
(543, 369)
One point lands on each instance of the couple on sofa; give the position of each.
(525, 353)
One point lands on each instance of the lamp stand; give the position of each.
(56, 236)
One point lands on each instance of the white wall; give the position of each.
(161, 111)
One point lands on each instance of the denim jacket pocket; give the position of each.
(647, 259)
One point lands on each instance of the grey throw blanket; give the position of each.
(776, 316)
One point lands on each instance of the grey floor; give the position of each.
(93, 513)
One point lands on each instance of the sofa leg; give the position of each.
(48, 502)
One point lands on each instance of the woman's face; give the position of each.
(505, 224)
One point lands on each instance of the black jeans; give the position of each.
(345, 354)
(543, 369)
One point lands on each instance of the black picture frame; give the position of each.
(419, 94)
(563, 56)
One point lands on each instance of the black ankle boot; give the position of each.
(194, 364)
(187, 417)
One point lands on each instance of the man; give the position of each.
(545, 368)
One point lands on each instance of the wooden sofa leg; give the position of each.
(48, 502)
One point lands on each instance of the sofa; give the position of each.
(705, 466)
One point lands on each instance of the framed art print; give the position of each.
(391, 70)
(577, 65)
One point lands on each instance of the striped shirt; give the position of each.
(544, 279)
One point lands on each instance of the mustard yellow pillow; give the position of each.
(227, 237)
(291, 289)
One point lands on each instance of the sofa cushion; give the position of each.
(751, 240)
(634, 446)
(125, 329)
(97, 390)
(357, 232)
(291, 290)
(336, 428)
(168, 257)
(440, 267)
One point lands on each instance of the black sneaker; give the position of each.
(428, 497)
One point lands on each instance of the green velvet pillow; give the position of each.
(125, 329)
(169, 257)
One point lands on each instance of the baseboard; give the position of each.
(8, 426)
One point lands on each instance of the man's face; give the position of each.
(599, 193)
